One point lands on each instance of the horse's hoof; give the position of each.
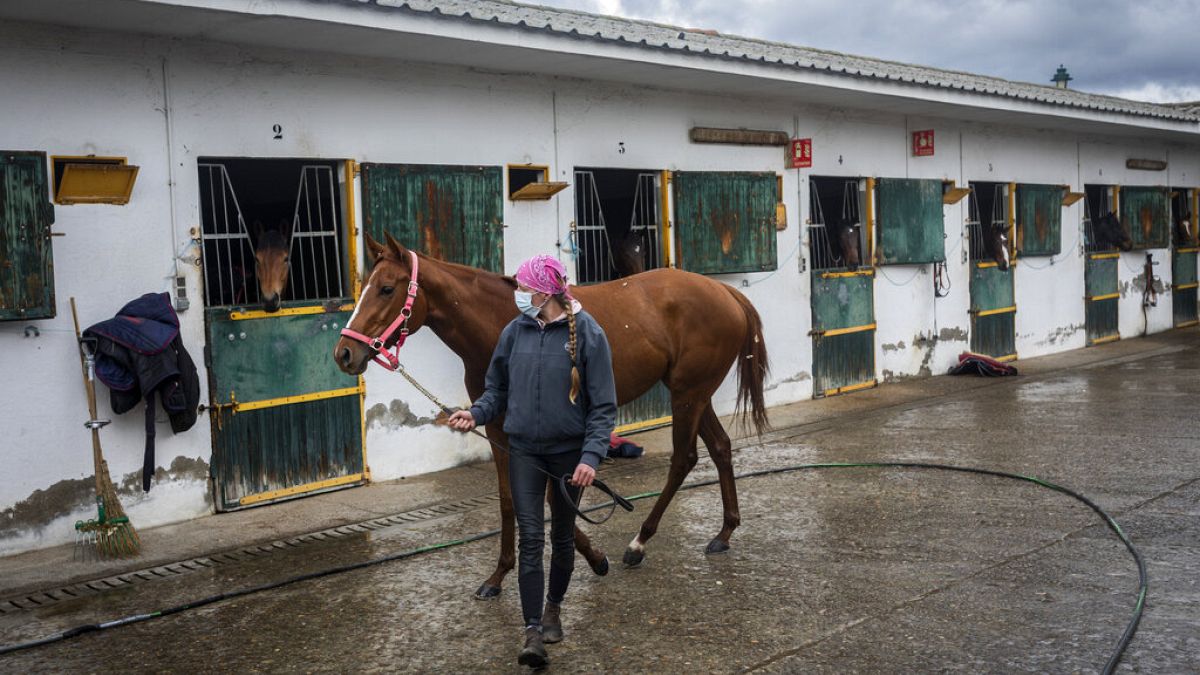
(633, 558)
(716, 546)
(487, 592)
(601, 568)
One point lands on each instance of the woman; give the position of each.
(551, 377)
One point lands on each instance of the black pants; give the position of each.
(529, 496)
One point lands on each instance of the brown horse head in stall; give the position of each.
(629, 254)
(1184, 234)
(1110, 232)
(666, 325)
(995, 242)
(272, 248)
(845, 236)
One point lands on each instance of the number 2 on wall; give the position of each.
(278, 129)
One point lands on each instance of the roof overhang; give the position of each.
(364, 29)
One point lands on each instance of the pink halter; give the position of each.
(391, 360)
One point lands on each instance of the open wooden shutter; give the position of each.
(26, 260)
(1146, 211)
(725, 221)
(453, 213)
(909, 212)
(1039, 219)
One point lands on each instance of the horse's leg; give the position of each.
(594, 556)
(685, 424)
(721, 451)
(491, 587)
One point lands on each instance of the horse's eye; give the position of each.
(387, 290)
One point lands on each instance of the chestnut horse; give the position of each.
(665, 325)
(272, 248)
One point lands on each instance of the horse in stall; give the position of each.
(995, 243)
(667, 325)
(1109, 233)
(629, 256)
(1184, 236)
(272, 247)
(846, 240)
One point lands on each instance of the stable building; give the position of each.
(882, 217)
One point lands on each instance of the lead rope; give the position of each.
(617, 499)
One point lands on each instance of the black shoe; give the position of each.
(552, 623)
(534, 653)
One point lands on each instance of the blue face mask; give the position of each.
(524, 300)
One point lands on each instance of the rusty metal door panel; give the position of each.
(1101, 303)
(994, 334)
(1146, 212)
(275, 356)
(991, 288)
(910, 227)
(842, 301)
(843, 316)
(1184, 286)
(283, 451)
(843, 363)
(648, 411)
(1039, 219)
(725, 221)
(26, 260)
(993, 311)
(453, 213)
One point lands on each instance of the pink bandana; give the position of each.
(544, 274)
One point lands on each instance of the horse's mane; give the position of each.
(463, 271)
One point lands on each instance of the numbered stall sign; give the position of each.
(801, 153)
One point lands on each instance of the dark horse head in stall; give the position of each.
(1184, 234)
(271, 251)
(629, 254)
(995, 242)
(1110, 232)
(845, 238)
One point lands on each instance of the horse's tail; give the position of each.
(753, 367)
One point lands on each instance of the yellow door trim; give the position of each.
(855, 273)
(300, 489)
(1186, 324)
(1184, 287)
(289, 311)
(1188, 249)
(982, 265)
(643, 425)
(1107, 338)
(1006, 358)
(851, 387)
(351, 168)
(664, 224)
(998, 310)
(842, 331)
(870, 208)
(1103, 256)
(300, 398)
(1106, 296)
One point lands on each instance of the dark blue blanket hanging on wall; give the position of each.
(139, 353)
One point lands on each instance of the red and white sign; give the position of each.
(923, 143)
(801, 153)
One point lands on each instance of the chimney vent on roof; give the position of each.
(1061, 77)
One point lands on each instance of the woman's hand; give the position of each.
(584, 475)
(462, 421)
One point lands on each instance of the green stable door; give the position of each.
(843, 314)
(1184, 286)
(1103, 296)
(993, 311)
(285, 420)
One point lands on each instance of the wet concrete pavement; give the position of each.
(835, 570)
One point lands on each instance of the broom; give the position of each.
(110, 534)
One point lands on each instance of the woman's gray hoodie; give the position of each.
(529, 379)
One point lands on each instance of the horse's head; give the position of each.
(1110, 231)
(846, 234)
(995, 239)
(628, 255)
(380, 303)
(271, 250)
(1183, 229)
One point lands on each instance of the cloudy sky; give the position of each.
(1141, 49)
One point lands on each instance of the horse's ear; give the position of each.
(375, 248)
(397, 247)
(256, 231)
(285, 228)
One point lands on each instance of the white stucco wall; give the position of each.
(92, 93)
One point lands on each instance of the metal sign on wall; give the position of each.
(800, 153)
(922, 143)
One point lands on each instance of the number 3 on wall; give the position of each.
(278, 129)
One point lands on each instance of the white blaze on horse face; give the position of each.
(1004, 248)
(359, 305)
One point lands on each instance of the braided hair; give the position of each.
(572, 345)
